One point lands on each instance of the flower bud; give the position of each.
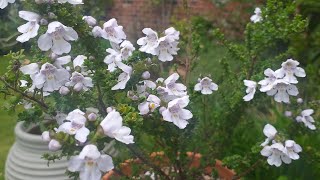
(78, 87)
(92, 117)
(96, 31)
(288, 113)
(54, 145)
(145, 75)
(64, 90)
(109, 109)
(51, 15)
(90, 20)
(92, 58)
(43, 22)
(46, 136)
(159, 80)
(300, 100)
(161, 109)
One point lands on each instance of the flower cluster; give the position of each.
(278, 152)
(279, 83)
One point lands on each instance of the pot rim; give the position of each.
(21, 133)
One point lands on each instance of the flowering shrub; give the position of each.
(83, 97)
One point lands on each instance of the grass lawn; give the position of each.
(7, 124)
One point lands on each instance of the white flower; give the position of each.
(257, 16)
(166, 48)
(173, 88)
(79, 82)
(292, 149)
(54, 145)
(4, 3)
(90, 163)
(123, 78)
(275, 154)
(282, 89)
(172, 33)
(113, 32)
(58, 62)
(300, 100)
(114, 60)
(71, 1)
(206, 86)
(150, 105)
(75, 125)
(163, 92)
(49, 77)
(251, 89)
(290, 69)
(150, 42)
(126, 49)
(56, 38)
(268, 82)
(112, 127)
(79, 62)
(270, 132)
(176, 114)
(91, 21)
(30, 29)
(288, 113)
(307, 119)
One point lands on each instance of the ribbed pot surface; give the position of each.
(24, 159)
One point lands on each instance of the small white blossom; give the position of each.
(91, 21)
(300, 100)
(114, 60)
(64, 90)
(49, 77)
(167, 47)
(126, 49)
(270, 132)
(79, 82)
(56, 38)
(75, 125)
(54, 145)
(172, 33)
(4, 3)
(251, 89)
(123, 78)
(268, 82)
(290, 69)
(150, 105)
(257, 17)
(30, 29)
(58, 62)
(173, 88)
(275, 154)
(113, 32)
(75, 2)
(292, 149)
(307, 119)
(176, 114)
(145, 75)
(281, 91)
(112, 127)
(90, 163)
(150, 42)
(206, 86)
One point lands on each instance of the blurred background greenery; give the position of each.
(248, 131)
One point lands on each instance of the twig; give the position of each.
(147, 162)
(100, 99)
(42, 104)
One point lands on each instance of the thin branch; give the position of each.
(100, 99)
(42, 104)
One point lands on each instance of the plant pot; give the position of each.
(24, 159)
(159, 159)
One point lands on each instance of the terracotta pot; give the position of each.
(159, 159)
(24, 159)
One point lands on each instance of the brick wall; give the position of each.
(134, 15)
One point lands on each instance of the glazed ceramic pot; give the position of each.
(24, 159)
